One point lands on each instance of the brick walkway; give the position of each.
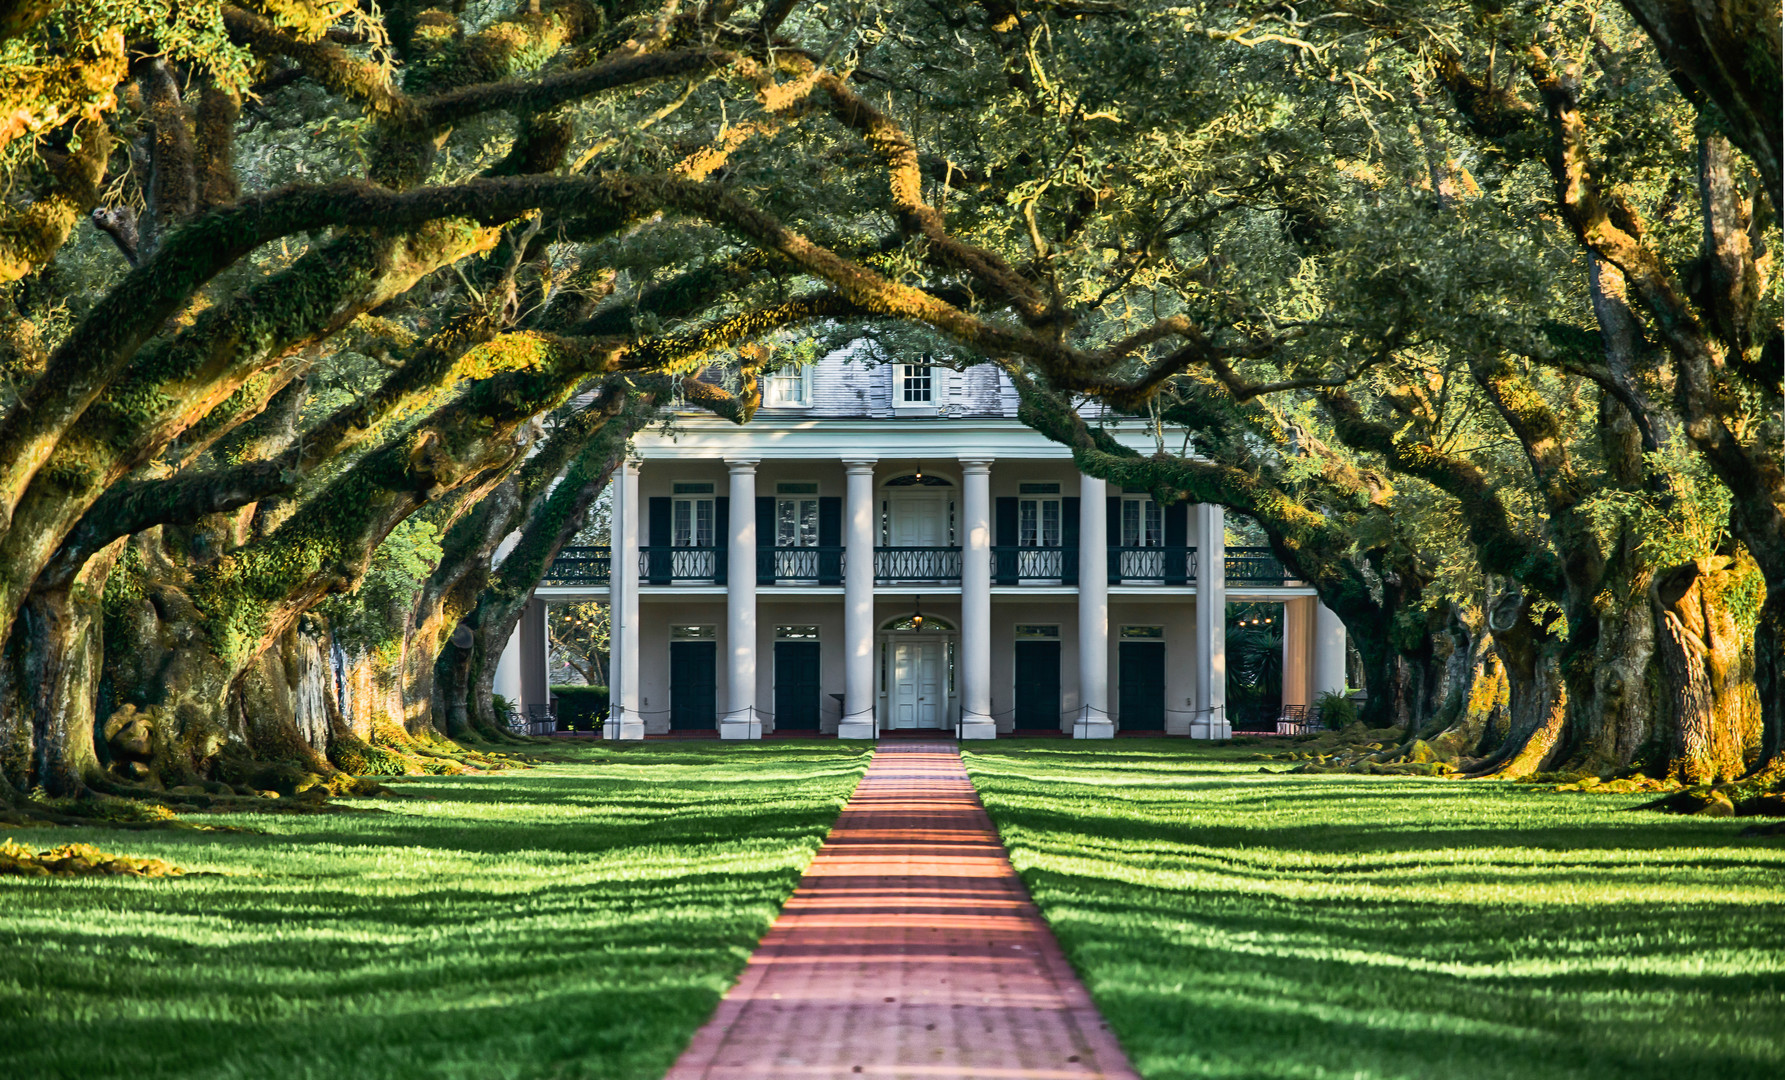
(910, 950)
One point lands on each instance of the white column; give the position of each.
(858, 602)
(1329, 653)
(535, 666)
(508, 670)
(976, 601)
(507, 683)
(1093, 720)
(1210, 719)
(740, 720)
(1298, 649)
(624, 719)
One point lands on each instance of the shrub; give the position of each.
(1337, 711)
(581, 706)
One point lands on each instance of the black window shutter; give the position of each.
(658, 559)
(1177, 538)
(1113, 523)
(721, 537)
(765, 539)
(1069, 540)
(830, 540)
(1004, 519)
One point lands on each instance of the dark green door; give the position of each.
(796, 686)
(1140, 673)
(692, 685)
(1038, 684)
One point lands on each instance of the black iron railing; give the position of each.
(898, 565)
(822, 565)
(1013, 565)
(917, 565)
(670, 565)
(580, 566)
(1174, 565)
(1254, 566)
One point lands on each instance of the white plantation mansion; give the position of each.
(887, 547)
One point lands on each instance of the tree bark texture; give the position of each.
(1717, 732)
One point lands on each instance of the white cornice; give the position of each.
(888, 439)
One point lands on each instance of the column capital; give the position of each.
(856, 466)
(976, 464)
(742, 465)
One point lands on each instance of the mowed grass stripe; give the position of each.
(575, 920)
(1238, 923)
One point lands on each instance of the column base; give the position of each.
(856, 729)
(1099, 727)
(978, 727)
(740, 729)
(623, 729)
(1215, 725)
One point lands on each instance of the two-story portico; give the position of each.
(865, 567)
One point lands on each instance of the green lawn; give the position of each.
(576, 920)
(1237, 923)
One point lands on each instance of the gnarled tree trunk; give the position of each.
(1709, 660)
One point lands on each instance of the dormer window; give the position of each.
(916, 384)
(788, 389)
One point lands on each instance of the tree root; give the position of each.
(1365, 750)
(1758, 796)
(78, 860)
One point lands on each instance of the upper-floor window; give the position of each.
(1143, 523)
(691, 516)
(1038, 516)
(788, 389)
(796, 515)
(916, 384)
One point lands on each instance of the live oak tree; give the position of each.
(364, 298)
(1568, 390)
(179, 498)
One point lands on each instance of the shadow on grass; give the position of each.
(1348, 926)
(579, 920)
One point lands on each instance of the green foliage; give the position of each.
(505, 709)
(579, 638)
(1689, 522)
(581, 708)
(1254, 663)
(1233, 921)
(1337, 711)
(374, 617)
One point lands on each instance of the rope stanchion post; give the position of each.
(744, 723)
(1093, 723)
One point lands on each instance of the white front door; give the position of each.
(918, 694)
(917, 520)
